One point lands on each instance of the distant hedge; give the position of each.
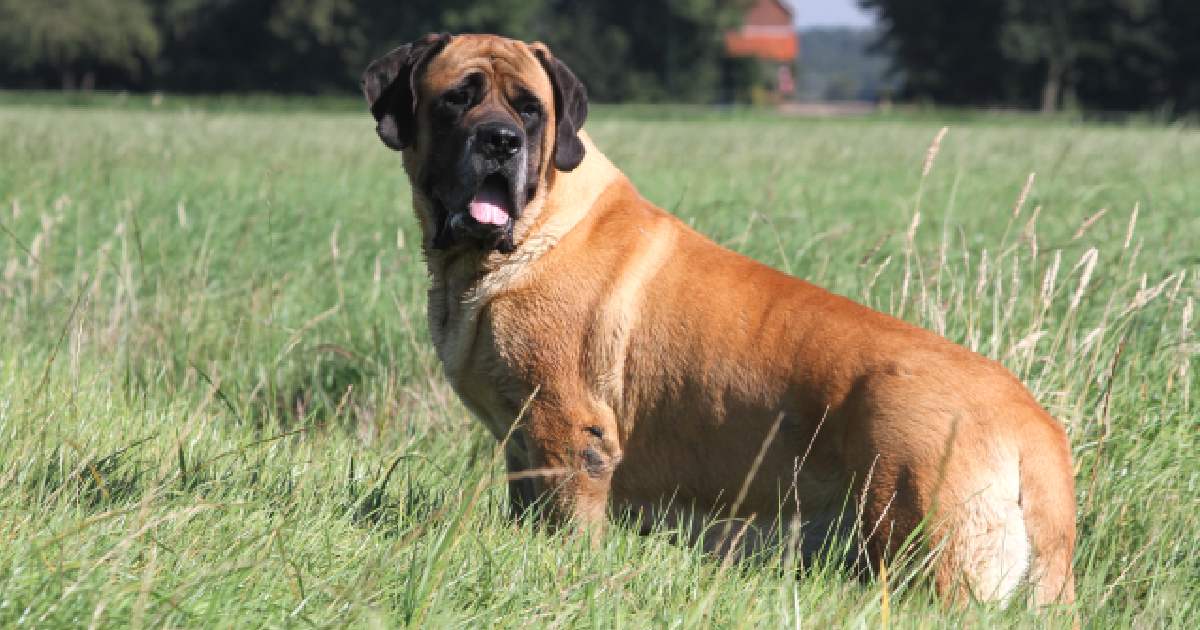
(627, 50)
(1121, 55)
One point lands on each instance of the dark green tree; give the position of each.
(76, 39)
(647, 50)
(1120, 55)
(654, 50)
(1123, 57)
(1104, 54)
(1179, 30)
(948, 51)
(1041, 34)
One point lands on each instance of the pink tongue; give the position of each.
(490, 207)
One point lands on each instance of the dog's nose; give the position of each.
(498, 141)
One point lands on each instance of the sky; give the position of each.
(829, 13)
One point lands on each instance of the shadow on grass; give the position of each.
(94, 482)
(322, 389)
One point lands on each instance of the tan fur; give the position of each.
(669, 358)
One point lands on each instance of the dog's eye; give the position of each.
(530, 110)
(456, 98)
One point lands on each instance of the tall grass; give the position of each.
(219, 407)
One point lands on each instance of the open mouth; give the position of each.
(492, 203)
(486, 219)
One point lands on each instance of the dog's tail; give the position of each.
(1048, 505)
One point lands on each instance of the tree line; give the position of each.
(642, 50)
(1119, 55)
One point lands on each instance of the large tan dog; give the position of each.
(652, 369)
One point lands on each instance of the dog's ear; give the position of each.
(390, 85)
(570, 109)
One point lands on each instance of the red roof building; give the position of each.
(767, 33)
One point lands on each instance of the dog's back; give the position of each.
(699, 351)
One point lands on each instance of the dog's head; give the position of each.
(483, 121)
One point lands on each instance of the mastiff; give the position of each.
(628, 363)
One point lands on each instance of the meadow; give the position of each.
(219, 406)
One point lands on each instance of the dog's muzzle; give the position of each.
(492, 190)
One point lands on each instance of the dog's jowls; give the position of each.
(655, 364)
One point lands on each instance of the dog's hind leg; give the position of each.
(963, 519)
(1014, 523)
(1048, 503)
(982, 549)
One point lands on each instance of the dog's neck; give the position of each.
(558, 207)
(464, 280)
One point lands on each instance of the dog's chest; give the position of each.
(481, 370)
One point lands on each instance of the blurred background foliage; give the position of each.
(1091, 55)
(659, 50)
(1120, 55)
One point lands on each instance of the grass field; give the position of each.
(219, 406)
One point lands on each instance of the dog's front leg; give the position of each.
(576, 450)
(522, 487)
